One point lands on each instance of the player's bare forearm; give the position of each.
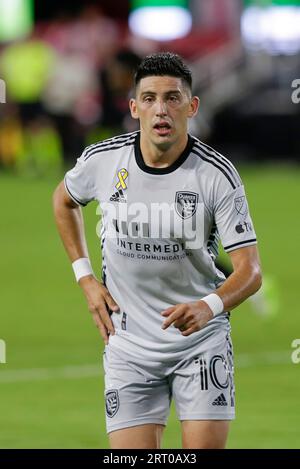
(69, 223)
(70, 226)
(245, 280)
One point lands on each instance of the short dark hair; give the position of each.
(164, 63)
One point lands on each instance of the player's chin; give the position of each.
(164, 145)
(164, 142)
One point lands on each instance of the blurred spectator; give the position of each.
(44, 152)
(72, 84)
(11, 136)
(25, 67)
(54, 81)
(57, 32)
(72, 94)
(91, 35)
(116, 81)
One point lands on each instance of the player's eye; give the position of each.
(173, 99)
(148, 99)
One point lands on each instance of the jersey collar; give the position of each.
(169, 169)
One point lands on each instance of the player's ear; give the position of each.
(133, 108)
(194, 106)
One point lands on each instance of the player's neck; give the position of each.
(157, 157)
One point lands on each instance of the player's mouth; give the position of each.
(162, 128)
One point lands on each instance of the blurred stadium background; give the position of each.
(67, 67)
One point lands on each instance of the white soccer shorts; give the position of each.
(140, 393)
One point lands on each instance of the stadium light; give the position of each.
(16, 19)
(272, 25)
(161, 20)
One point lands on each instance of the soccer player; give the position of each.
(162, 306)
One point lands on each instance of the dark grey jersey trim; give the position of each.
(109, 141)
(72, 196)
(216, 165)
(213, 234)
(211, 153)
(109, 148)
(241, 243)
(213, 241)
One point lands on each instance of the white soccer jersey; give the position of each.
(160, 234)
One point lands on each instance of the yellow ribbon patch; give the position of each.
(122, 176)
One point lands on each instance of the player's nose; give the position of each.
(161, 108)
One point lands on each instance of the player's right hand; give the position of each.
(99, 300)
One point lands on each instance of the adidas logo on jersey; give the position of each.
(118, 197)
(220, 400)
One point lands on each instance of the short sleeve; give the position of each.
(233, 220)
(80, 181)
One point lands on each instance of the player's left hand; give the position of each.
(187, 317)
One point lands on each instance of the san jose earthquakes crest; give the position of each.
(112, 402)
(186, 203)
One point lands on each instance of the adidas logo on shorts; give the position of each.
(220, 400)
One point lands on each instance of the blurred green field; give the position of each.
(51, 391)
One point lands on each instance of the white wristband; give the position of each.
(82, 267)
(215, 303)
